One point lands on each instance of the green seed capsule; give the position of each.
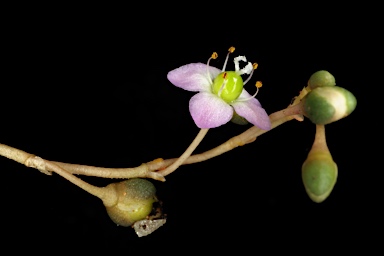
(321, 78)
(135, 201)
(319, 174)
(325, 105)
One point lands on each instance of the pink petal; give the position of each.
(193, 77)
(209, 111)
(253, 112)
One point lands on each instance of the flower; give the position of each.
(220, 93)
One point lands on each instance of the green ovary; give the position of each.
(228, 85)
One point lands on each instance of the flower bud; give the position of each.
(325, 105)
(319, 171)
(319, 174)
(321, 78)
(135, 201)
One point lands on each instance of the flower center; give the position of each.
(228, 85)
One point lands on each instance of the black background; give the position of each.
(89, 86)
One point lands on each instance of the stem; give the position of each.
(246, 137)
(141, 171)
(236, 141)
(107, 195)
(147, 170)
(14, 154)
(320, 143)
(186, 153)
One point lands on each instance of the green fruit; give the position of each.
(135, 201)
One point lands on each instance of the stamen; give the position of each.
(230, 50)
(213, 56)
(254, 65)
(258, 85)
(223, 85)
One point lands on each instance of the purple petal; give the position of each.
(253, 112)
(209, 111)
(193, 77)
